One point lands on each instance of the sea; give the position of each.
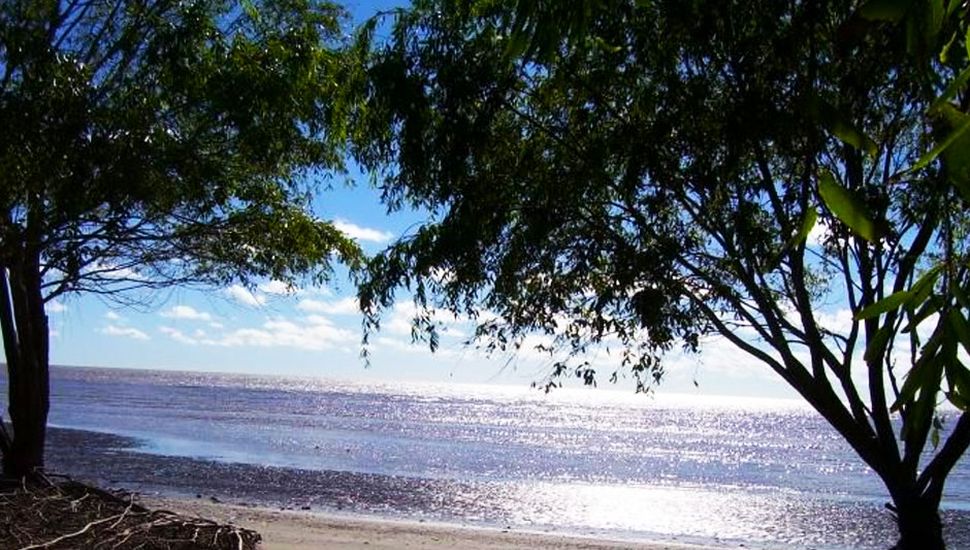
(729, 472)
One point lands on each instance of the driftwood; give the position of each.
(44, 514)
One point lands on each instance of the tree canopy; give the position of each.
(150, 143)
(157, 142)
(643, 174)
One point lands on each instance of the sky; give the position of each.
(317, 331)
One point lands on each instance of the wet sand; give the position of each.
(292, 530)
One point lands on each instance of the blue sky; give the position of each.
(317, 332)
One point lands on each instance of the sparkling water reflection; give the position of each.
(768, 473)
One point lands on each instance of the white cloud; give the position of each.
(186, 312)
(278, 288)
(55, 307)
(311, 333)
(178, 335)
(403, 346)
(344, 306)
(317, 333)
(720, 362)
(127, 332)
(359, 233)
(397, 346)
(401, 317)
(244, 296)
(112, 316)
(839, 322)
(721, 355)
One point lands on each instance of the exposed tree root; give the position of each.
(44, 514)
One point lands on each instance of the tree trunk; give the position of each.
(25, 339)
(920, 528)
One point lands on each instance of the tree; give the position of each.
(153, 143)
(644, 174)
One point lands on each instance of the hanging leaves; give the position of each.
(847, 207)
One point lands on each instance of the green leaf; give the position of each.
(876, 347)
(846, 207)
(853, 136)
(808, 223)
(918, 412)
(967, 42)
(944, 56)
(961, 296)
(518, 43)
(924, 375)
(931, 155)
(889, 303)
(251, 10)
(928, 308)
(958, 401)
(960, 328)
(919, 293)
(884, 10)
(956, 157)
(951, 90)
(839, 125)
(522, 36)
(959, 377)
(933, 12)
(952, 6)
(914, 381)
(923, 286)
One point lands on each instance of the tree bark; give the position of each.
(25, 336)
(920, 527)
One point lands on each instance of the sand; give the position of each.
(292, 530)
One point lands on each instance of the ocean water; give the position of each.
(763, 473)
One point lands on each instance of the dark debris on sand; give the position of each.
(63, 514)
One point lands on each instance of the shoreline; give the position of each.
(281, 503)
(309, 530)
(348, 498)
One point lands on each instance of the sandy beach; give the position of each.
(293, 530)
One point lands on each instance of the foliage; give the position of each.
(150, 143)
(650, 174)
(159, 142)
(941, 292)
